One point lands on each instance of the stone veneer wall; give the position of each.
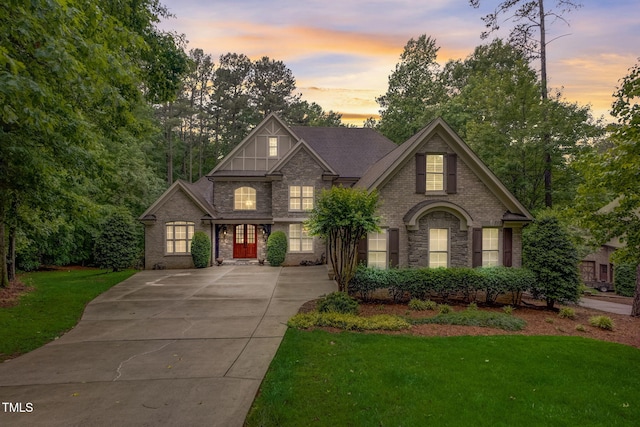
(223, 198)
(419, 240)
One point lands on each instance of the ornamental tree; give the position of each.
(343, 216)
(117, 246)
(549, 253)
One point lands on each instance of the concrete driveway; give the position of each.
(172, 347)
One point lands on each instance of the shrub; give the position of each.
(200, 249)
(508, 310)
(580, 328)
(444, 308)
(498, 281)
(602, 322)
(337, 302)
(472, 306)
(549, 253)
(625, 279)
(276, 248)
(567, 313)
(349, 322)
(117, 246)
(419, 305)
(366, 281)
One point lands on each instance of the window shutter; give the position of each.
(507, 247)
(362, 250)
(394, 247)
(477, 247)
(421, 173)
(452, 173)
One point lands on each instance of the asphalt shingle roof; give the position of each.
(349, 151)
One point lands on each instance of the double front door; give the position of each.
(245, 241)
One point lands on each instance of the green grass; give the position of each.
(349, 379)
(488, 319)
(54, 307)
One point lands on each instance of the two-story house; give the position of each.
(440, 205)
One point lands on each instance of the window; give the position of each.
(489, 247)
(435, 172)
(178, 236)
(299, 239)
(377, 250)
(438, 247)
(300, 198)
(244, 199)
(273, 146)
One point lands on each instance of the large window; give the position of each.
(435, 172)
(299, 239)
(300, 198)
(273, 146)
(377, 249)
(178, 237)
(438, 247)
(244, 199)
(489, 247)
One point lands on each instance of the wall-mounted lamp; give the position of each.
(224, 233)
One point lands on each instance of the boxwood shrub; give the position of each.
(200, 249)
(276, 248)
(422, 283)
(625, 279)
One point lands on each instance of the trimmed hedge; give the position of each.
(200, 249)
(625, 279)
(422, 283)
(276, 248)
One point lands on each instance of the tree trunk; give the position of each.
(4, 274)
(635, 309)
(548, 201)
(168, 133)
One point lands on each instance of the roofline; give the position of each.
(453, 140)
(296, 148)
(182, 185)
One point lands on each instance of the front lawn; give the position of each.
(324, 379)
(52, 308)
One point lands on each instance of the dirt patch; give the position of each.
(10, 295)
(540, 321)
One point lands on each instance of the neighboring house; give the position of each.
(440, 206)
(596, 269)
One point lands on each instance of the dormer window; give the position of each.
(273, 146)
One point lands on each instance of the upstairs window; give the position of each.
(300, 198)
(178, 237)
(435, 172)
(244, 199)
(273, 146)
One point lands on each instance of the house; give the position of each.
(440, 206)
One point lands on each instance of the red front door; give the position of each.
(244, 241)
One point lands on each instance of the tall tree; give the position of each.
(272, 87)
(615, 173)
(415, 91)
(530, 36)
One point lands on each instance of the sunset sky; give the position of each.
(342, 52)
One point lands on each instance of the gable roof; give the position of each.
(302, 145)
(196, 192)
(349, 151)
(244, 141)
(385, 168)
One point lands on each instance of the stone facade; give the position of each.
(419, 240)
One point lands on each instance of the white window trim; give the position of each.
(240, 198)
(190, 229)
(300, 239)
(302, 198)
(447, 252)
(383, 232)
(486, 251)
(269, 147)
(444, 172)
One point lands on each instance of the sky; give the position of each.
(342, 52)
